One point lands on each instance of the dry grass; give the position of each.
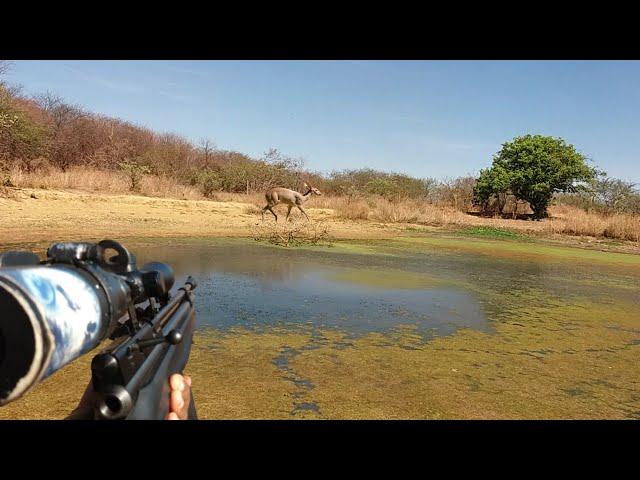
(155, 186)
(84, 178)
(347, 208)
(401, 211)
(94, 180)
(575, 221)
(565, 219)
(255, 199)
(252, 209)
(411, 211)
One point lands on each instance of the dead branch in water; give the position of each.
(293, 233)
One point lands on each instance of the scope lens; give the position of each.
(17, 343)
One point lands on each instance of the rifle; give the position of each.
(55, 310)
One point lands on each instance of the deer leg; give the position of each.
(274, 213)
(264, 210)
(288, 212)
(302, 210)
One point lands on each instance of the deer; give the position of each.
(291, 198)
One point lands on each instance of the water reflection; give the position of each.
(251, 285)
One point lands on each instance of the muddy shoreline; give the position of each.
(33, 215)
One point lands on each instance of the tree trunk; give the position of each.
(539, 211)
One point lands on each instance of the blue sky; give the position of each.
(425, 118)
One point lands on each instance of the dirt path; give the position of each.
(34, 215)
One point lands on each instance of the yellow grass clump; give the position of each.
(575, 221)
(415, 211)
(97, 180)
(346, 207)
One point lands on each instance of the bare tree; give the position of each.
(61, 113)
(5, 66)
(206, 147)
(68, 139)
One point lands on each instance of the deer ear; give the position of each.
(305, 185)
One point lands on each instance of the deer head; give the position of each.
(311, 189)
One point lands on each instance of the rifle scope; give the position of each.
(53, 311)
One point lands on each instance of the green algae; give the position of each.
(495, 233)
(516, 250)
(504, 245)
(547, 358)
(387, 279)
(531, 367)
(544, 360)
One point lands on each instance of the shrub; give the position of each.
(135, 172)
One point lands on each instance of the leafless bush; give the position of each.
(294, 233)
(5, 66)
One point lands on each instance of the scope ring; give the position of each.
(118, 263)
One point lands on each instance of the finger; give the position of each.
(187, 379)
(177, 402)
(172, 416)
(177, 382)
(186, 397)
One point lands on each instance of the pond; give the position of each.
(425, 327)
(436, 290)
(254, 286)
(557, 329)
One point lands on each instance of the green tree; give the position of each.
(492, 183)
(535, 167)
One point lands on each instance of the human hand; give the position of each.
(179, 400)
(180, 397)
